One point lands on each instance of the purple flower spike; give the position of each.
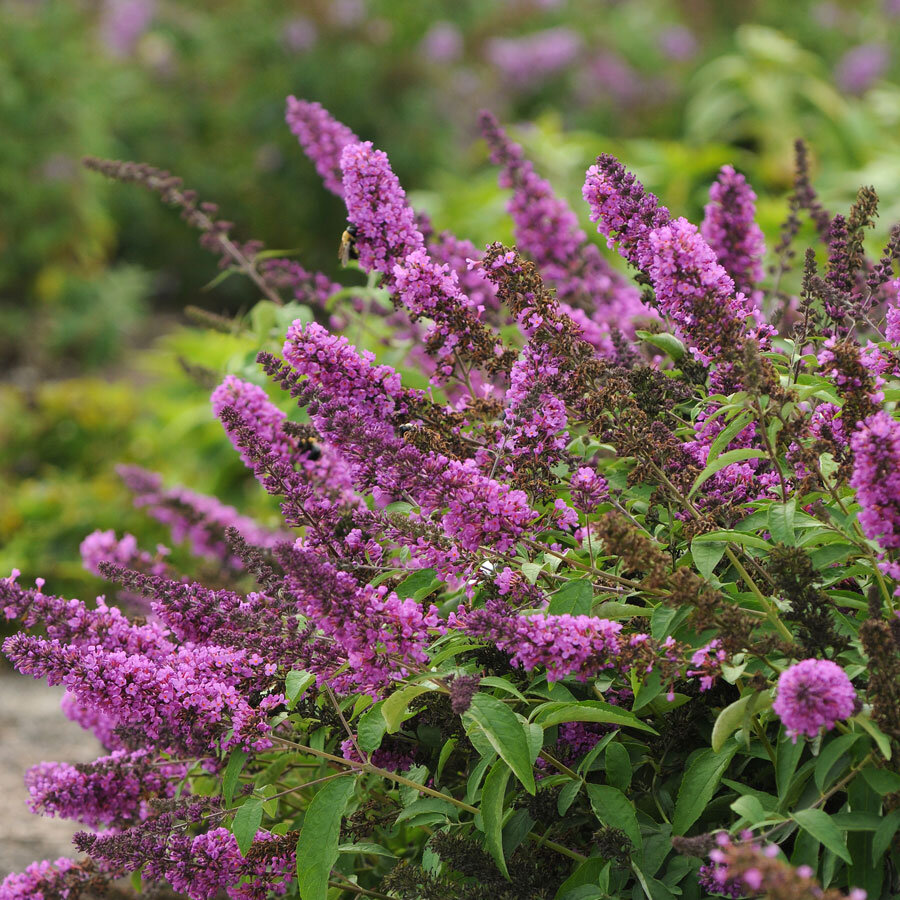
(322, 138)
(548, 231)
(876, 477)
(729, 227)
(376, 205)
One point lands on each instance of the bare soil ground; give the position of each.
(32, 729)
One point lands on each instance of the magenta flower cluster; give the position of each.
(876, 477)
(812, 695)
(729, 227)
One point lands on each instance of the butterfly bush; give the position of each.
(585, 581)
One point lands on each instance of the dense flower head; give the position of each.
(813, 694)
(341, 376)
(876, 477)
(78, 624)
(89, 718)
(353, 404)
(622, 208)
(729, 227)
(429, 289)
(563, 644)
(747, 867)
(892, 323)
(46, 880)
(112, 790)
(187, 699)
(252, 403)
(322, 138)
(100, 546)
(589, 489)
(548, 231)
(694, 290)
(376, 205)
(531, 539)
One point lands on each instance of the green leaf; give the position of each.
(587, 875)
(587, 711)
(618, 766)
(664, 341)
(506, 735)
(647, 692)
(295, 685)
(232, 773)
(818, 823)
(729, 432)
(732, 537)
(574, 598)
(665, 620)
(246, 823)
(707, 556)
(884, 834)
(699, 784)
(317, 846)
(423, 578)
(830, 754)
(370, 729)
(503, 685)
(881, 780)
(787, 755)
(263, 318)
(883, 741)
(567, 795)
(371, 849)
(394, 708)
(726, 459)
(614, 809)
(492, 796)
(531, 571)
(442, 809)
(750, 808)
(729, 721)
(781, 521)
(864, 803)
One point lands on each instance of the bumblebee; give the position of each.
(347, 249)
(310, 447)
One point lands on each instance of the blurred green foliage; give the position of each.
(198, 88)
(90, 269)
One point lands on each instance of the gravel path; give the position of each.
(32, 729)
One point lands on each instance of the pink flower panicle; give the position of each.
(104, 547)
(876, 477)
(892, 323)
(562, 644)
(623, 209)
(111, 791)
(813, 694)
(431, 290)
(61, 878)
(696, 293)
(744, 867)
(322, 138)
(353, 403)
(548, 231)
(254, 407)
(730, 228)
(376, 205)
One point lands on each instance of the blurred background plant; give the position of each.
(91, 274)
